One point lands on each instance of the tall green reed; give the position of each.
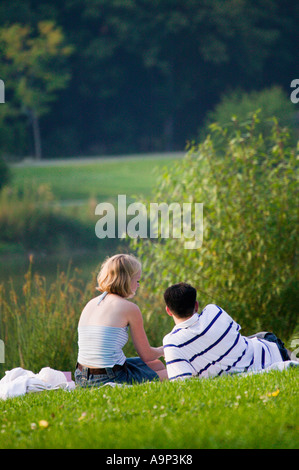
(39, 324)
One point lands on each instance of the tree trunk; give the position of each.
(36, 135)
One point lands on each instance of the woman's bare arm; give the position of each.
(139, 338)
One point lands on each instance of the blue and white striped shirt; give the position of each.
(210, 344)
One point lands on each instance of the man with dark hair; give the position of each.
(210, 343)
(181, 300)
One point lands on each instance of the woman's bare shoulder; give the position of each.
(92, 302)
(131, 305)
(124, 304)
(133, 313)
(89, 307)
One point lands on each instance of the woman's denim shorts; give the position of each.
(136, 371)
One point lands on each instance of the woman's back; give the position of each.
(106, 310)
(101, 346)
(102, 333)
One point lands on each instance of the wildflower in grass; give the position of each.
(83, 415)
(274, 394)
(266, 397)
(43, 424)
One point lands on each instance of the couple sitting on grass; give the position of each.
(204, 344)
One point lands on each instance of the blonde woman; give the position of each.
(103, 330)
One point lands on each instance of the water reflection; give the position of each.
(13, 269)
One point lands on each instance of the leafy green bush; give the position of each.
(270, 102)
(248, 260)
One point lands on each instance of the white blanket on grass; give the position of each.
(20, 381)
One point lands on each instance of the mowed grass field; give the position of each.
(102, 178)
(230, 412)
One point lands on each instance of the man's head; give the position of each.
(180, 300)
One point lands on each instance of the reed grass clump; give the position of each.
(38, 325)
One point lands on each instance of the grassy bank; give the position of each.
(238, 412)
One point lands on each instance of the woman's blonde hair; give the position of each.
(116, 274)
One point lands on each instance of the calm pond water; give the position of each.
(14, 268)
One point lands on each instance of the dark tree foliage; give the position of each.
(145, 73)
(4, 173)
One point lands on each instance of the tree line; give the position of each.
(86, 77)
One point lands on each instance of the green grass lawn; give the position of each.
(252, 412)
(103, 178)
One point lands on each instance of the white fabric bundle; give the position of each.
(20, 381)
